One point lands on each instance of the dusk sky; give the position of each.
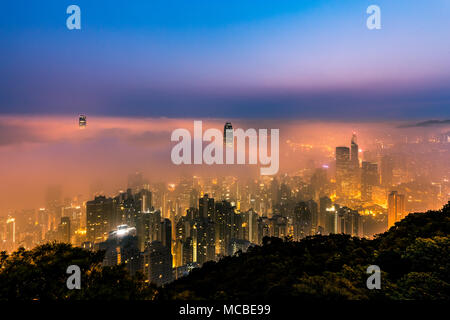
(233, 59)
(139, 69)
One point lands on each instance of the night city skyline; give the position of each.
(207, 151)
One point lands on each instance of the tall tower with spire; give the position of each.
(355, 175)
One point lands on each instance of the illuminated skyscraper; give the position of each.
(396, 208)
(99, 218)
(251, 222)
(183, 242)
(225, 226)
(342, 171)
(331, 219)
(82, 121)
(204, 242)
(143, 229)
(319, 181)
(387, 167)
(349, 222)
(155, 225)
(11, 234)
(150, 228)
(324, 204)
(206, 207)
(228, 134)
(347, 170)
(121, 247)
(64, 230)
(354, 173)
(369, 179)
(302, 221)
(145, 197)
(186, 194)
(158, 263)
(354, 152)
(314, 209)
(53, 203)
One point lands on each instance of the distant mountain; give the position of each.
(428, 123)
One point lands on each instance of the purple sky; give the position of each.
(292, 59)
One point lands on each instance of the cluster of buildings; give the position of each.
(164, 230)
(131, 231)
(358, 182)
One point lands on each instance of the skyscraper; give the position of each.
(251, 221)
(349, 222)
(396, 208)
(82, 121)
(324, 204)
(11, 234)
(64, 230)
(145, 196)
(206, 207)
(331, 219)
(143, 229)
(99, 218)
(342, 171)
(319, 181)
(314, 209)
(369, 179)
(302, 221)
(347, 170)
(354, 173)
(203, 237)
(121, 247)
(158, 263)
(387, 167)
(166, 233)
(354, 152)
(188, 251)
(155, 225)
(228, 134)
(53, 203)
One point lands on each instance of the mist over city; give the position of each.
(53, 159)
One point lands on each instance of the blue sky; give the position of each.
(285, 59)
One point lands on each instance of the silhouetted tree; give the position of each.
(40, 274)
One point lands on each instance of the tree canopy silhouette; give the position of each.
(413, 256)
(40, 274)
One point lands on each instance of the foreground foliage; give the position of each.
(414, 257)
(40, 274)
